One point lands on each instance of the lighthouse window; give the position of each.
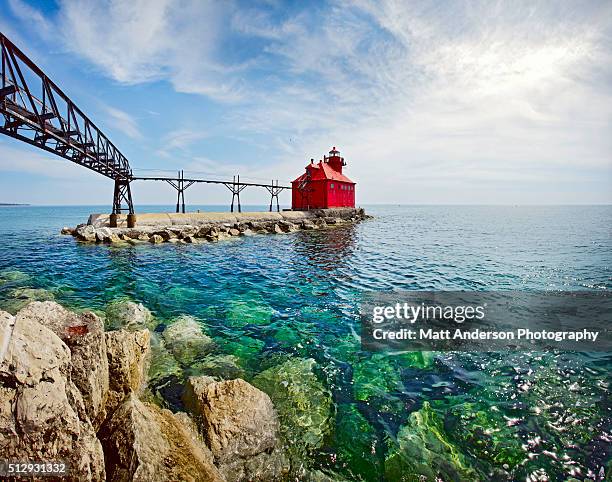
(332, 185)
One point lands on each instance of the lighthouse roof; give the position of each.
(323, 171)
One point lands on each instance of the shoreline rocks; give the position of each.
(196, 228)
(72, 392)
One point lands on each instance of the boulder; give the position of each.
(236, 419)
(42, 414)
(307, 224)
(234, 232)
(422, 448)
(156, 239)
(185, 339)
(103, 235)
(166, 234)
(19, 298)
(287, 226)
(143, 442)
(128, 354)
(67, 231)
(304, 405)
(86, 233)
(83, 333)
(129, 315)
(190, 239)
(277, 229)
(221, 366)
(165, 377)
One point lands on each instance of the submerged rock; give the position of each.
(185, 339)
(42, 414)
(19, 298)
(84, 335)
(357, 444)
(303, 404)
(144, 443)
(244, 312)
(375, 375)
(219, 366)
(423, 451)
(129, 315)
(128, 354)
(13, 276)
(165, 377)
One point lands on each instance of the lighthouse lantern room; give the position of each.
(323, 185)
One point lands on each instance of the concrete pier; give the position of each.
(197, 219)
(208, 226)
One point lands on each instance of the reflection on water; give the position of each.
(271, 301)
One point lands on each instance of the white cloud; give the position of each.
(122, 121)
(19, 159)
(141, 41)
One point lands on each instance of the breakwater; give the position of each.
(202, 227)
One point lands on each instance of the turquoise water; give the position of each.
(268, 300)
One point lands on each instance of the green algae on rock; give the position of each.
(165, 375)
(225, 367)
(423, 451)
(303, 404)
(19, 298)
(13, 276)
(186, 340)
(244, 347)
(375, 375)
(129, 315)
(356, 444)
(484, 433)
(240, 313)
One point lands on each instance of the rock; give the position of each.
(424, 450)
(165, 234)
(165, 377)
(128, 354)
(84, 335)
(237, 419)
(129, 315)
(67, 231)
(158, 446)
(287, 226)
(203, 231)
(42, 414)
(185, 339)
(103, 235)
(7, 324)
(263, 467)
(156, 239)
(13, 276)
(220, 366)
(302, 402)
(277, 229)
(21, 297)
(86, 233)
(190, 239)
(307, 224)
(234, 232)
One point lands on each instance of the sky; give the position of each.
(430, 102)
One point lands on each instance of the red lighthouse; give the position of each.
(323, 185)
